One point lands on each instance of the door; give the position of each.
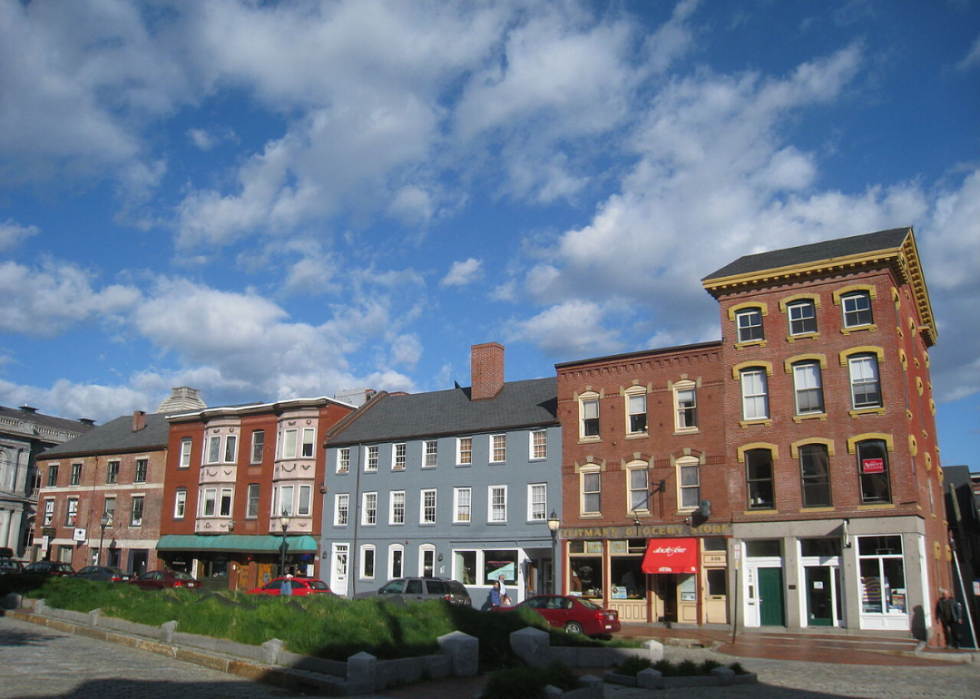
(338, 571)
(771, 608)
(819, 596)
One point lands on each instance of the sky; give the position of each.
(270, 200)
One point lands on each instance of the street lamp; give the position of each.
(104, 521)
(553, 524)
(284, 546)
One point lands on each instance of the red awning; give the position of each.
(671, 556)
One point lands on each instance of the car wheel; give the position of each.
(573, 627)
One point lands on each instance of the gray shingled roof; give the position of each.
(826, 250)
(116, 436)
(519, 404)
(46, 420)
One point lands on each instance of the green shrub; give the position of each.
(558, 674)
(707, 666)
(737, 668)
(515, 683)
(687, 668)
(633, 665)
(665, 668)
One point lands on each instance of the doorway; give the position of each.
(771, 604)
(338, 571)
(823, 595)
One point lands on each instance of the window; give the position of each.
(71, 513)
(341, 509)
(369, 509)
(396, 561)
(431, 453)
(857, 309)
(882, 566)
(539, 444)
(309, 440)
(755, 397)
(749, 324)
(53, 476)
(589, 412)
(865, 388)
(685, 406)
(303, 507)
(180, 503)
(758, 469)
(367, 561)
(286, 500)
(638, 480)
(537, 502)
(464, 567)
(464, 450)
(136, 511)
(591, 491)
(498, 448)
(872, 456)
(252, 507)
(689, 478)
(76, 474)
(224, 509)
(809, 388)
(258, 446)
(141, 467)
(427, 561)
(399, 456)
(185, 452)
(636, 408)
(288, 448)
(112, 472)
(208, 502)
(48, 512)
(109, 507)
(397, 504)
(462, 510)
(371, 462)
(802, 318)
(231, 449)
(214, 449)
(497, 500)
(343, 460)
(428, 507)
(815, 472)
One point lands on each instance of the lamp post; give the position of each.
(284, 523)
(103, 522)
(553, 524)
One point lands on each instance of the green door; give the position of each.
(771, 597)
(819, 596)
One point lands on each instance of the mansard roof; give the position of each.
(25, 416)
(391, 417)
(116, 437)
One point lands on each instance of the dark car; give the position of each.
(574, 614)
(160, 579)
(9, 565)
(301, 586)
(49, 568)
(420, 590)
(103, 573)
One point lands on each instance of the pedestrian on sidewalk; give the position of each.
(287, 586)
(950, 613)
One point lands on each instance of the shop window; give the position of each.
(823, 548)
(763, 548)
(497, 563)
(464, 568)
(882, 567)
(586, 574)
(628, 578)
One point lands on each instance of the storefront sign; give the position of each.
(671, 556)
(652, 531)
(78, 535)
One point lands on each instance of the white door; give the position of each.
(338, 571)
(750, 592)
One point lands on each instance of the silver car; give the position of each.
(420, 590)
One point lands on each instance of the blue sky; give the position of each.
(272, 200)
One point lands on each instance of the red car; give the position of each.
(301, 586)
(574, 614)
(159, 579)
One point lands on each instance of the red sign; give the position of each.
(671, 556)
(873, 466)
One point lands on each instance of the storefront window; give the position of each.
(628, 579)
(465, 569)
(882, 568)
(764, 548)
(497, 563)
(586, 578)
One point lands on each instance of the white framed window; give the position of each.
(136, 511)
(685, 406)
(589, 416)
(591, 483)
(808, 386)
(252, 505)
(431, 453)
(286, 500)
(209, 503)
(48, 512)
(76, 474)
(428, 509)
(367, 562)
(304, 506)
(636, 413)
(214, 449)
(396, 512)
(427, 560)
(309, 442)
(258, 446)
(755, 394)
(497, 503)
(464, 451)
(857, 309)
(882, 575)
(760, 479)
(865, 387)
(371, 458)
(185, 452)
(462, 505)
(539, 445)
(288, 444)
(343, 460)
(638, 483)
(802, 317)
(498, 448)
(537, 502)
(231, 449)
(112, 472)
(399, 456)
(341, 509)
(224, 505)
(688, 483)
(109, 507)
(180, 503)
(369, 509)
(396, 561)
(749, 324)
(142, 466)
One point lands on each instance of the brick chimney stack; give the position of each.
(139, 420)
(486, 370)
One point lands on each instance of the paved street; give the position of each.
(38, 662)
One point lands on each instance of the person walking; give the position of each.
(495, 595)
(287, 586)
(950, 613)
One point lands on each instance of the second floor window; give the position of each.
(865, 388)
(464, 450)
(185, 452)
(76, 474)
(759, 477)
(591, 492)
(112, 472)
(341, 509)
(397, 514)
(749, 324)
(686, 406)
(872, 456)
(343, 460)
(463, 502)
(428, 507)
(252, 506)
(589, 417)
(109, 507)
(815, 475)
(48, 512)
(399, 457)
(258, 446)
(231, 449)
(371, 462)
(809, 388)
(141, 468)
(755, 395)
(498, 503)
(180, 503)
(53, 475)
(537, 502)
(136, 511)
(636, 407)
(639, 479)
(539, 444)
(689, 478)
(309, 442)
(369, 509)
(431, 453)
(71, 513)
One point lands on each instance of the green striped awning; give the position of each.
(235, 542)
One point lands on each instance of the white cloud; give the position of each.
(463, 273)
(569, 329)
(13, 234)
(972, 57)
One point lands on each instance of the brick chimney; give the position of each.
(139, 420)
(486, 370)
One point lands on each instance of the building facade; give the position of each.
(457, 484)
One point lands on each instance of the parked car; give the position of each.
(420, 590)
(301, 586)
(574, 614)
(103, 573)
(159, 579)
(49, 568)
(9, 566)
